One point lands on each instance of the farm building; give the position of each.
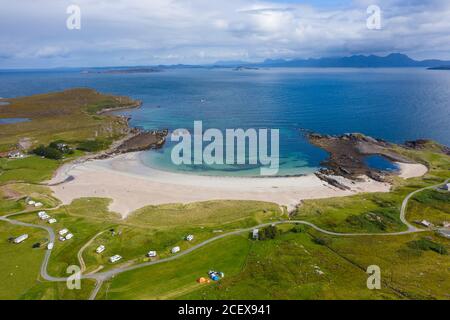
(21, 238)
(115, 258)
(100, 249)
(176, 250)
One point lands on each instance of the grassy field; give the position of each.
(293, 266)
(146, 230)
(430, 205)
(379, 212)
(68, 115)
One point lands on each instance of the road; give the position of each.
(103, 276)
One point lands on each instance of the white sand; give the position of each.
(132, 185)
(411, 170)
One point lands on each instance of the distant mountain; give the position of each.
(393, 60)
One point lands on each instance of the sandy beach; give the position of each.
(132, 185)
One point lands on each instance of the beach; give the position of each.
(131, 185)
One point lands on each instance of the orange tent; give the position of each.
(203, 280)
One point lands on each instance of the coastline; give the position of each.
(131, 185)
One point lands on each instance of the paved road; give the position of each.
(103, 276)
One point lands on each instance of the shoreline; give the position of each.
(132, 185)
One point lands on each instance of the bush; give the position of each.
(425, 245)
(321, 241)
(268, 233)
(297, 229)
(48, 152)
(93, 145)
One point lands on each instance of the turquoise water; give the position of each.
(392, 104)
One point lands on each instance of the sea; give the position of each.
(395, 104)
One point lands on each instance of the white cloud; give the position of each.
(201, 31)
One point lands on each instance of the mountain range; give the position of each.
(393, 60)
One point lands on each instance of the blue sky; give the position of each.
(146, 32)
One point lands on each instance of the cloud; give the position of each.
(202, 31)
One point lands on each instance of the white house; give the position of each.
(50, 246)
(38, 204)
(151, 254)
(45, 217)
(69, 236)
(63, 232)
(21, 238)
(15, 155)
(52, 221)
(190, 237)
(255, 234)
(100, 249)
(176, 250)
(115, 258)
(31, 203)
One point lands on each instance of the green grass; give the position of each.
(293, 266)
(430, 205)
(32, 169)
(65, 115)
(20, 263)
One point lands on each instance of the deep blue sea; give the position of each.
(393, 104)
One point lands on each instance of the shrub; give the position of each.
(268, 233)
(93, 145)
(48, 152)
(425, 245)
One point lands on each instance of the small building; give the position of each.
(63, 232)
(447, 187)
(52, 221)
(62, 239)
(255, 234)
(176, 250)
(115, 258)
(31, 202)
(426, 223)
(45, 217)
(151, 254)
(69, 236)
(38, 204)
(15, 155)
(100, 249)
(190, 237)
(21, 238)
(50, 246)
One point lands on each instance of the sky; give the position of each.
(34, 34)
